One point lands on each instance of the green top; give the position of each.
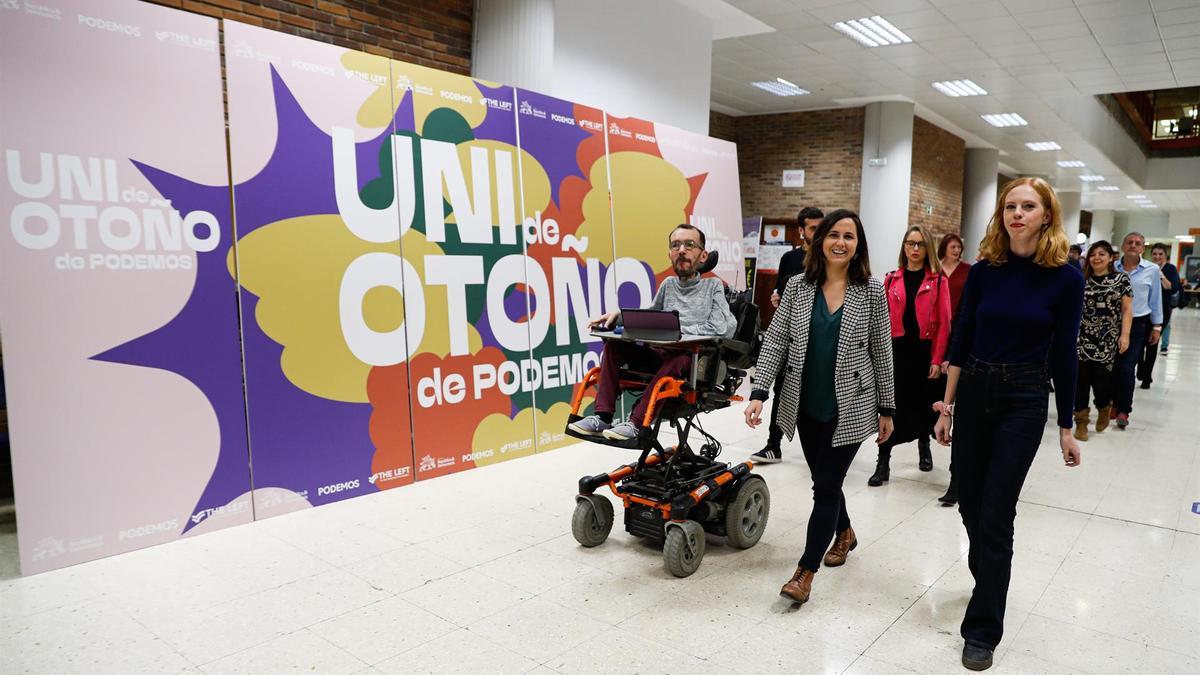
(817, 397)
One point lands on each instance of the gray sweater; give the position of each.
(701, 303)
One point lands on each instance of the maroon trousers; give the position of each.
(639, 357)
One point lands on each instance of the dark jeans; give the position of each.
(644, 359)
(1000, 412)
(1093, 376)
(828, 466)
(774, 433)
(1126, 365)
(1145, 366)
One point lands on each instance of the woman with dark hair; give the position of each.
(829, 342)
(1020, 314)
(950, 250)
(1104, 333)
(918, 298)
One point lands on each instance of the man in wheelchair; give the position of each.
(703, 311)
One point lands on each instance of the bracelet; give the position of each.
(945, 408)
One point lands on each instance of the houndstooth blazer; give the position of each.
(862, 379)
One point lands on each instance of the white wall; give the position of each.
(634, 58)
(514, 43)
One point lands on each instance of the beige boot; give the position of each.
(1082, 417)
(1102, 416)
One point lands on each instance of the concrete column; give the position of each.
(514, 43)
(1070, 200)
(979, 196)
(1102, 227)
(886, 180)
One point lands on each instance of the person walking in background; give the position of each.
(1020, 312)
(918, 296)
(1103, 334)
(1075, 257)
(790, 264)
(950, 250)
(1172, 291)
(829, 345)
(1145, 277)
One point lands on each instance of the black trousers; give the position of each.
(828, 466)
(1000, 412)
(1149, 355)
(1126, 365)
(774, 433)
(1093, 376)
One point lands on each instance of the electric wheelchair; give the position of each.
(674, 495)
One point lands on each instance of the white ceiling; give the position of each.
(1032, 56)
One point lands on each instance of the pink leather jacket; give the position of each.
(933, 309)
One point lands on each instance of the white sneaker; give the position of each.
(591, 425)
(625, 431)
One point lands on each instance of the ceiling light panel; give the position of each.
(1042, 146)
(1107, 188)
(957, 88)
(1005, 120)
(780, 87)
(1135, 196)
(1091, 178)
(1071, 164)
(872, 31)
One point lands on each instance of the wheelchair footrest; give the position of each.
(631, 444)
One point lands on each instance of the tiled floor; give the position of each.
(478, 572)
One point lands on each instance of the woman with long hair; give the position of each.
(1103, 334)
(1020, 315)
(829, 342)
(918, 298)
(950, 250)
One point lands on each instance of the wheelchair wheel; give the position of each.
(684, 548)
(592, 520)
(746, 516)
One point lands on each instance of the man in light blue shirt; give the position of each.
(1147, 321)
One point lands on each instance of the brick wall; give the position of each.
(722, 126)
(827, 144)
(434, 33)
(938, 168)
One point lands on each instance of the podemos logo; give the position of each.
(110, 26)
(338, 487)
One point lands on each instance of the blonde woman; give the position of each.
(1020, 315)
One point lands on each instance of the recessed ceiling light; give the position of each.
(1071, 164)
(872, 31)
(959, 88)
(1186, 238)
(1148, 205)
(1042, 146)
(1091, 178)
(1005, 120)
(1107, 188)
(780, 87)
(1135, 196)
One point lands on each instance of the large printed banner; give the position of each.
(118, 315)
(415, 261)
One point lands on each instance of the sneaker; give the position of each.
(625, 431)
(591, 425)
(975, 657)
(1163, 350)
(1122, 420)
(768, 455)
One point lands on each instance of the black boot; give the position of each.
(882, 469)
(925, 456)
(951, 496)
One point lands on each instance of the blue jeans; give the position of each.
(1125, 369)
(1000, 412)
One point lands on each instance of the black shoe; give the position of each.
(976, 658)
(768, 455)
(1145, 384)
(925, 463)
(882, 474)
(951, 496)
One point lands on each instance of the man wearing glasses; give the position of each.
(703, 310)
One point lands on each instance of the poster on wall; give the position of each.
(318, 257)
(117, 309)
(567, 225)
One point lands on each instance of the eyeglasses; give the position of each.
(686, 243)
(915, 244)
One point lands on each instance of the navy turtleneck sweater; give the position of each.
(1018, 312)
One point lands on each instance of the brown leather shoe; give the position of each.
(799, 588)
(1102, 417)
(843, 543)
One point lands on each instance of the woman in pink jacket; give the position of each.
(918, 296)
